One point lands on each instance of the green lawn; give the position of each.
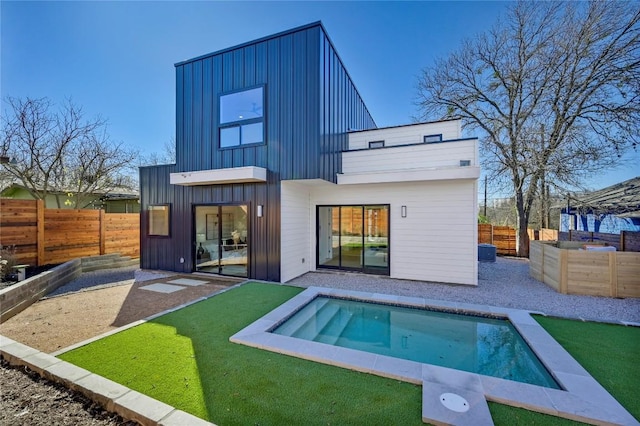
(186, 360)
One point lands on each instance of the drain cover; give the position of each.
(454, 402)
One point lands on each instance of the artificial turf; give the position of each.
(185, 359)
(610, 353)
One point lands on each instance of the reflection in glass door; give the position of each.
(354, 238)
(221, 240)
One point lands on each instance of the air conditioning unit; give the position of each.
(486, 253)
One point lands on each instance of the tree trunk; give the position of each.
(522, 236)
(523, 240)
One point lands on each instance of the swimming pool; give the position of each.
(448, 393)
(477, 344)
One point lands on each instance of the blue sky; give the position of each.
(116, 58)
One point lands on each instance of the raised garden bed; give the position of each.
(569, 270)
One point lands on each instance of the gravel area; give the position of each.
(505, 283)
(98, 279)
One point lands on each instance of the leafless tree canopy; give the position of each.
(61, 151)
(552, 89)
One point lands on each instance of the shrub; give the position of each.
(7, 261)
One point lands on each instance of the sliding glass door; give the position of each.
(221, 240)
(354, 238)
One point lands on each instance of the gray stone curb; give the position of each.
(114, 397)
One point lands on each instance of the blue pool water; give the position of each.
(475, 344)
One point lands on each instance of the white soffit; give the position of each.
(219, 176)
(410, 175)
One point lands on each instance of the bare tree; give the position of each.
(166, 156)
(553, 91)
(60, 151)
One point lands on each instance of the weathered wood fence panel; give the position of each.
(49, 236)
(19, 228)
(625, 241)
(543, 234)
(485, 233)
(122, 233)
(69, 234)
(504, 237)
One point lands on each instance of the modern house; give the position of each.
(281, 170)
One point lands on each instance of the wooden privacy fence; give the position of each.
(504, 237)
(625, 241)
(48, 236)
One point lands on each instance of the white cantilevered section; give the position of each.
(219, 176)
(457, 159)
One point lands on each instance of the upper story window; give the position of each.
(432, 138)
(242, 118)
(376, 144)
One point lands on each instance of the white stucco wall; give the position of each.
(297, 249)
(437, 241)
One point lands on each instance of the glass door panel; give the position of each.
(329, 236)
(351, 237)
(221, 242)
(376, 243)
(234, 242)
(206, 238)
(354, 238)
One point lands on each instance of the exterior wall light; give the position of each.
(259, 212)
(403, 211)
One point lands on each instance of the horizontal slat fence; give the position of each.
(19, 228)
(48, 236)
(625, 241)
(504, 237)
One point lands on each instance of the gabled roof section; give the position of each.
(621, 199)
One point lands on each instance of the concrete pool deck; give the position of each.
(582, 397)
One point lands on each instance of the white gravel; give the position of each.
(505, 283)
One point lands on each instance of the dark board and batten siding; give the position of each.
(310, 104)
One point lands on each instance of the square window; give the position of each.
(432, 138)
(229, 136)
(251, 133)
(159, 220)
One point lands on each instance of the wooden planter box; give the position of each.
(594, 273)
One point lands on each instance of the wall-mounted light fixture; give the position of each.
(259, 213)
(403, 211)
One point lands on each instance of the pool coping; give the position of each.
(582, 397)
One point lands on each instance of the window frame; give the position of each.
(239, 124)
(438, 135)
(376, 144)
(167, 208)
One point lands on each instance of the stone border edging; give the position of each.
(114, 397)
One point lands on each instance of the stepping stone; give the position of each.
(450, 405)
(162, 288)
(188, 281)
